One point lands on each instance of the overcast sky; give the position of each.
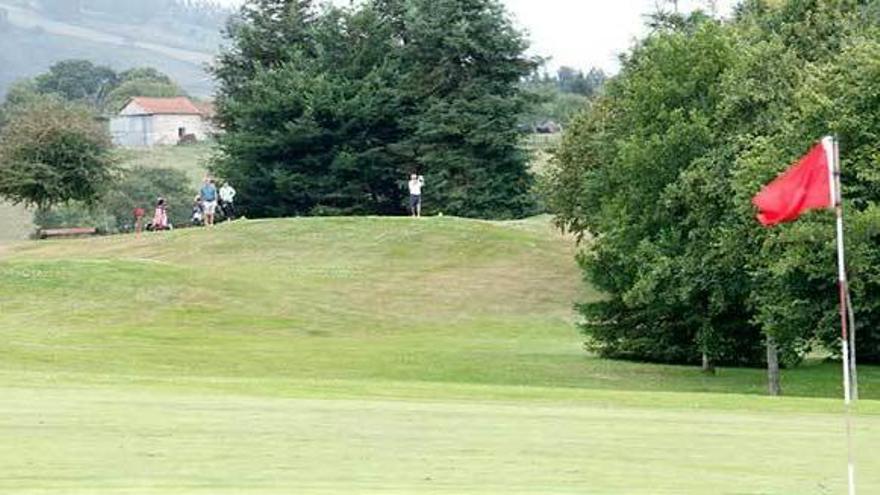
(583, 33)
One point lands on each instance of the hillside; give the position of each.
(498, 295)
(32, 42)
(369, 355)
(307, 292)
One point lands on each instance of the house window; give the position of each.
(181, 131)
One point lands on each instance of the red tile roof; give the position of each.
(180, 105)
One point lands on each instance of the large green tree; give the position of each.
(658, 174)
(464, 63)
(328, 111)
(78, 80)
(53, 152)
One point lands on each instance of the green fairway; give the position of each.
(372, 355)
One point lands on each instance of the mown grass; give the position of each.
(372, 355)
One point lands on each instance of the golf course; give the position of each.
(374, 355)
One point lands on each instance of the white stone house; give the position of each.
(147, 122)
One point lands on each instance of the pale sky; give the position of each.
(583, 33)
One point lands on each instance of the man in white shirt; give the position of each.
(227, 200)
(416, 182)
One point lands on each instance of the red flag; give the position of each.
(805, 186)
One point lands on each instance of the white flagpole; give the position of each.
(853, 367)
(830, 146)
(851, 329)
(832, 155)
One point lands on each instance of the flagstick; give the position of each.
(837, 195)
(853, 373)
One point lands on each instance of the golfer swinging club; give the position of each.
(416, 182)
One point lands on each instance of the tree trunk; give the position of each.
(708, 365)
(773, 379)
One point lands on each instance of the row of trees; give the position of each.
(328, 110)
(558, 98)
(97, 86)
(571, 80)
(658, 175)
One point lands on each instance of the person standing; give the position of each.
(160, 216)
(139, 214)
(227, 200)
(416, 182)
(209, 200)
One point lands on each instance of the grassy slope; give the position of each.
(192, 159)
(369, 355)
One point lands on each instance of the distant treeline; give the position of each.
(558, 97)
(570, 80)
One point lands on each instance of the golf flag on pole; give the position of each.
(807, 185)
(811, 183)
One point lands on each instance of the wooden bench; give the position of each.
(67, 233)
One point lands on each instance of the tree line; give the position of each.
(656, 176)
(559, 97)
(98, 87)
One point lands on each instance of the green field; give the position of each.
(191, 159)
(373, 355)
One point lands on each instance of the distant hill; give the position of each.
(33, 39)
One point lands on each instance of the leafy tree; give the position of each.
(21, 94)
(264, 35)
(138, 187)
(673, 298)
(594, 80)
(53, 152)
(658, 173)
(306, 133)
(141, 81)
(145, 74)
(570, 80)
(141, 186)
(548, 103)
(78, 81)
(464, 63)
(559, 98)
(127, 90)
(327, 112)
